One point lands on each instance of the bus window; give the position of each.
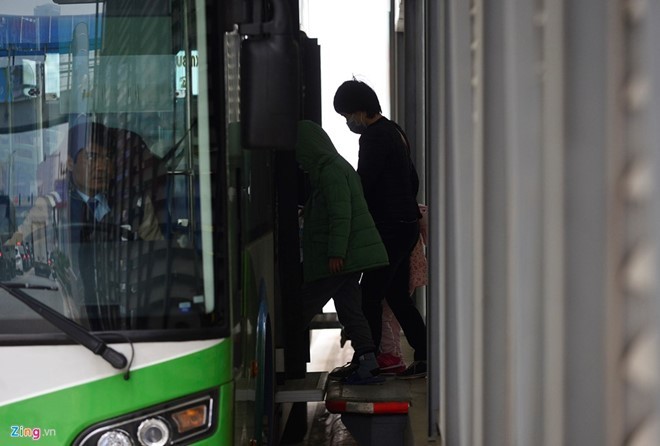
(108, 166)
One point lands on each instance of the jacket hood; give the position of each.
(314, 147)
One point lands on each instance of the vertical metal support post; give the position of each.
(496, 404)
(552, 19)
(435, 173)
(514, 209)
(587, 187)
(463, 222)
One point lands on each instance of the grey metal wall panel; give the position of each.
(497, 324)
(585, 224)
(462, 234)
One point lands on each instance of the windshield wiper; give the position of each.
(72, 329)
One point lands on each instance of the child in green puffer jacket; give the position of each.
(340, 241)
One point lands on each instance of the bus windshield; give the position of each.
(105, 167)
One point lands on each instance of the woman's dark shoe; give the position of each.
(415, 370)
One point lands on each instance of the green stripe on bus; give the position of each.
(58, 417)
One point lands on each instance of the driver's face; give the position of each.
(92, 169)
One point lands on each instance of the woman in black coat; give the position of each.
(390, 185)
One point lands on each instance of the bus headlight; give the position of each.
(115, 438)
(153, 432)
(172, 423)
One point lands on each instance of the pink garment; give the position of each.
(390, 341)
(419, 267)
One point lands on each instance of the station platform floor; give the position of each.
(327, 429)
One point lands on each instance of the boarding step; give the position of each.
(376, 414)
(310, 388)
(324, 320)
(391, 397)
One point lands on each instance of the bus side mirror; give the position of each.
(270, 92)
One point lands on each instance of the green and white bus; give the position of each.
(164, 337)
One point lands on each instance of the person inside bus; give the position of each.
(390, 185)
(101, 214)
(340, 241)
(94, 153)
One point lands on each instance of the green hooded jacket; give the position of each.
(337, 221)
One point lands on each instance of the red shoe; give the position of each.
(390, 364)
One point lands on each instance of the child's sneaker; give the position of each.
(357, 380)
(343, 372)
(416, 370)
(390, 364)
(367, 372)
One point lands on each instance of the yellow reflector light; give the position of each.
(191, 418)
